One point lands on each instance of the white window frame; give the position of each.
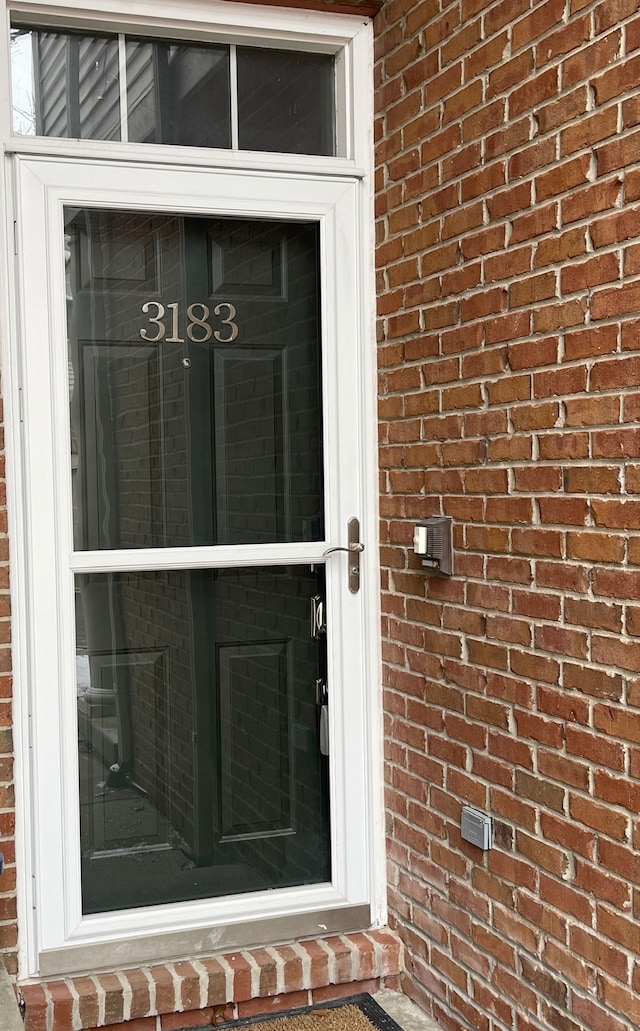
(57, 944)
(346, 37)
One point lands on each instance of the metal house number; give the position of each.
(199, 329)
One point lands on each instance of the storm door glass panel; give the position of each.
(65, 84)
(285, 101)
(194, 377)
(200, 772)
(178, 94)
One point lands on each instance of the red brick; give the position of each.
(529, 226)
(587, 60)
(556, 249)
(621, 514)
(140, 994)
(620, 999)
(563, 511)
(488, 117)
(618, 653)
(483, 180)
(596, 951)
(570, 106)
(529, 290)
(114, 995)
(143, 1024)
(592, 546)
(35, 1000)
(560, 959)
(592, 479)
(530, 480)
(536, 667)
(595, 682)
(592, 129)
(566, 771)
(535, 91)
(609, 374)
(566, 833)
(185, 1019)
(599, 817)
(566, 899)
(620, 859)
(553, 317)
(569, 708)
(516, 447)
(617, 154)
(586, 274)
(241, 975)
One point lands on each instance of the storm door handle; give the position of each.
(354, 549)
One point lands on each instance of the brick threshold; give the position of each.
(217, 988)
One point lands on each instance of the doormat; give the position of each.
(355, 1013)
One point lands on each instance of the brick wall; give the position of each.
(508, 202)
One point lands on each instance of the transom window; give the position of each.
(103, 87)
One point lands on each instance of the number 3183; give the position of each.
(199, 329)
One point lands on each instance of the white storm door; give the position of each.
(191, 374)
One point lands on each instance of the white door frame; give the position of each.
(43, 187)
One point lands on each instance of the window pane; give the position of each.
(285, 101)
(65, 85)
(199, 754)
(178, 94)
(68, 84)
(195, 383)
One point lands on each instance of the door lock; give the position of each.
(318, 618)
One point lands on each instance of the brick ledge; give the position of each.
(214, 988)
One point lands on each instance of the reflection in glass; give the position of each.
(69, 84)
(22, 91)
(285, 101)
(199, 762)
(65, 84)
(194, 370)
(178, 94)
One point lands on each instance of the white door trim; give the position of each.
(43, 186)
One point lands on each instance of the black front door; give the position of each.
(195, 400)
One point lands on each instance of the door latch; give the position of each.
(354, 549)
(318, 618)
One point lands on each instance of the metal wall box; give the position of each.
(476, 827)
(433, 541)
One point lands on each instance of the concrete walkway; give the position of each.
(10, 1018)
(404, 1011)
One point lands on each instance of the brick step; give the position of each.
(206, 991)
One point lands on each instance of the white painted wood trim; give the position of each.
(45, 186)
(361, 877)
